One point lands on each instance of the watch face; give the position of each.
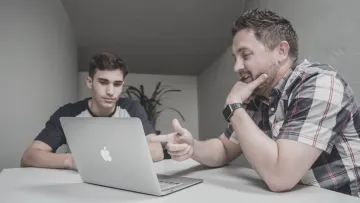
(227, 111)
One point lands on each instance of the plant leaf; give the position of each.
(134, 92)
(142, 89)
(171, 108)
(134, 89)
(182, 117)
(156, 90)
(152, 104)
(156, 93)
(167, 91)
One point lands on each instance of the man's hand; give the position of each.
(179, 143)
(241, 91)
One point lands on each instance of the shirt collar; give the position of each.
(275, 92)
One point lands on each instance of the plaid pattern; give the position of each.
(312, 104)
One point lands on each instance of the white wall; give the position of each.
(214, 85)
(38, 71)
(328, 32)
(185, 101)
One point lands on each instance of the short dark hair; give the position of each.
(107, 61)
(269, 28)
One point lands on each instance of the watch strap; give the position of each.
(229, 110)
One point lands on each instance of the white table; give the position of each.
(230, 184)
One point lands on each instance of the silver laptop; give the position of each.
(113, 152)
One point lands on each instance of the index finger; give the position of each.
(260, 80)
(162, 138)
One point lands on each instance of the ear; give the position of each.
(283, 50)
(89, 82)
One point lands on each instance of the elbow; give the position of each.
(26, 159)
(218, 161)
(215, 165)
(279, 187)
(280, 184)
(29, 158)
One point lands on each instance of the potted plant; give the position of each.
(153, 105)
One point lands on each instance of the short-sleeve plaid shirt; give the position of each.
(312, 104)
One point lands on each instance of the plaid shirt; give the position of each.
(312, 104)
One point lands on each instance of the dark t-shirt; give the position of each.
(53, 134)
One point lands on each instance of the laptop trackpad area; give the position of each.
(167, 182)
(164, 185)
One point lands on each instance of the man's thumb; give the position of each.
(177, 127)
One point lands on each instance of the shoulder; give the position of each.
(129, 105)
(72, 109)
(133, 107)
(320, 82)
(316, 76)
(124, 102)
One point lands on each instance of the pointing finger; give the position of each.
(163, 138)
(256, 83)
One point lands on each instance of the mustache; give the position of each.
(244, 75)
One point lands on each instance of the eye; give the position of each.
(117, 84)
(103, 82)
(246, 56)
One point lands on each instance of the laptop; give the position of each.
(113, 152)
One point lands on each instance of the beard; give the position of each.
(264, 88)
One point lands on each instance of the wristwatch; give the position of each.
(229, 110)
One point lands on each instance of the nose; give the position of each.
(239, 66)
(110, 90)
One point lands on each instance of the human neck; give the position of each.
(280, 73)
(98, 111)
(283, 69)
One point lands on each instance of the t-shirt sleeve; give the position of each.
(138, 110)
(317, 111)
(53, 134)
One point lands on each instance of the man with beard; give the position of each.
(294, 122)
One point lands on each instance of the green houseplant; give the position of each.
(153, 105)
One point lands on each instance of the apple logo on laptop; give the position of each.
(105, 154)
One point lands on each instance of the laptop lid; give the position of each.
(111, 152)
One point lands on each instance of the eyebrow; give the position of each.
(104, 79)
(242, 49)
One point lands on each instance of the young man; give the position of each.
(294, 122)
(106, 79)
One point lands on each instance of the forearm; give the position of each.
(43, 159)
(258, 148)
(210, 153)
(156, 151)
